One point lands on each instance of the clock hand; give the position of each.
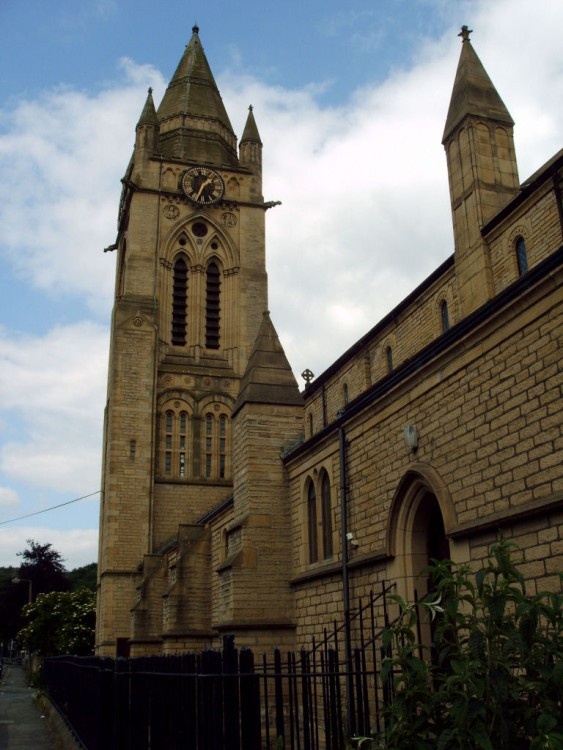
(203, 185)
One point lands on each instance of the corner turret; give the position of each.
(146, 139)
(482, 169)
(251, 152)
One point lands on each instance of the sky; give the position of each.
(350, 103)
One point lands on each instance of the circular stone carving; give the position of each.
(137, 322)
(228, 219)
(171, 212)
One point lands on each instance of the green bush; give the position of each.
(493, 676)
(60, 622)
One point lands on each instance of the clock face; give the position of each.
(203, 186)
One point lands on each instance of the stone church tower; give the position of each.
(190, 295)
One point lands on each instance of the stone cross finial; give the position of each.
(307, 375)
(464, 34)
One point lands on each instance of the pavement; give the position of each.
(22, 724)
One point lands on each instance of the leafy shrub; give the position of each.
(493, 676)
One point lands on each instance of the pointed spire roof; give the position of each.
(192, 103)
(250, 129)
(268, 378)
(148, 115)
(473, 91)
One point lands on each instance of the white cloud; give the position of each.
(8, 496)
(55, 386)
(61, 158)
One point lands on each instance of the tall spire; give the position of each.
(193, 119)
(473, 91)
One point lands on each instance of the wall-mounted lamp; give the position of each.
(353, 542)
(411, 437)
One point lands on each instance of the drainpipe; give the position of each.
(345, 582)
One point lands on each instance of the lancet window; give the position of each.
(521, 255)
(175, 442)
(216, 445)
(319, 506)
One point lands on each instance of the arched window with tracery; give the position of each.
(216, 444)
(213, 306)
(179, 302)
(175, 442)
(521, 255)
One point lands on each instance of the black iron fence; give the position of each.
(315, 699)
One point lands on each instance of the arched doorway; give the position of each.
(421, 513)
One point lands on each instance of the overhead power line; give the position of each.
(53, 507)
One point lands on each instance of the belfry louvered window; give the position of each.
(212, 306)
(180, 303)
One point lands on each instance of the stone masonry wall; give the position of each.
(488, 413)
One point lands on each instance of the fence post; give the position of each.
(249, 703)
(231, 694)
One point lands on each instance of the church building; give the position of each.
(235, 504)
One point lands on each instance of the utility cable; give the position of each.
(54, 507)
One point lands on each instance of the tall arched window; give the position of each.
(179, 303)
(208, 445)
(312, 523)
(326, 509)
(521, 255)
(444, 314)
(222, 446)
(212, 306)
(175, 442)
(216, 441)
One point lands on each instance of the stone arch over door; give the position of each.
(420, 518)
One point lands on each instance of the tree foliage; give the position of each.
(44, 567)
(60, 622)
(42, 570)
(84, 577)
(493, 679)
